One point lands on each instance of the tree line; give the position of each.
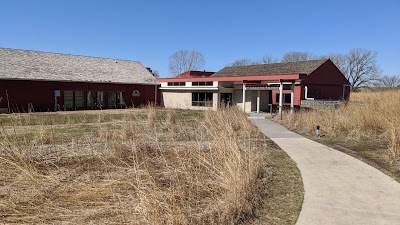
(360, 66)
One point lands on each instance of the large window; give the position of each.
(79, 99)
(101, 99)
(176, 84)
(208, 83)
(115, 100)
(202, 99)
(286, 98)
(68, 100)
(93, 100)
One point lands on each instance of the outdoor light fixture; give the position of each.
(318, 131)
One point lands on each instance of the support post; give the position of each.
(280, 99)
(8, 103)
(55, 103)
(57, 93)
(344, 88)
(258, 101)
(292, 99)
(244, 97)
(305, 92)
(155, 94)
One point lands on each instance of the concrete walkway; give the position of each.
(339, 189)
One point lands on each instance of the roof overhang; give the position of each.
(182, 88)
(80, 81)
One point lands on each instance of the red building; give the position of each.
(192, 74)
(258, 87)
(41, 81)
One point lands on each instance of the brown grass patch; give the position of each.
(366, 127)
(144, 167)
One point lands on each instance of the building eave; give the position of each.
(181, 88)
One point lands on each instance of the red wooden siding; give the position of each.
(40, 94)
(329, 80)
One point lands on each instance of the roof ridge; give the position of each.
(38, 65)
(68, 54)
(263, 64)
(298, 67)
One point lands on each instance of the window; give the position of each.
(314, 91)
(91, 99)
(68, 100)
(115, 100)
(112, 99)
(286, 98)
(94, 100)
(208, 83)
(176, 83)
(101, 100)
(202, 98)
(79, 99)
(287, 87)
(120, 99)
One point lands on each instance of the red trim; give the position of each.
(274, 77)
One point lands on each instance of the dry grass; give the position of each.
(163, 168)
(368, 124)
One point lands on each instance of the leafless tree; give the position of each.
(360, 66)
(242, 62)
(267, 59)
(388, 81)
(154, 72)
(339, 59)
(297, 56)
(185, 60)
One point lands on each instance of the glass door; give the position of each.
(226, 99)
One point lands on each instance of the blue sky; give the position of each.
(151, 30)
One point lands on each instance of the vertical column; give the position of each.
(244, 97)
(155, 94)
(292, 98)
(344, 88)
(305, 92)
(57, 93)
(258, 101)
(280, 98)
(55, 104)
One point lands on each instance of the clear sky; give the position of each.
(151, 30)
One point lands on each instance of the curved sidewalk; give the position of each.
(339, 189)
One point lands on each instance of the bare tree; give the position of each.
(154, 72)
(267, 59)
(297, 56)
(340, 60)
(242, 62)
(185, 60)
(359, 66)
(388, 81)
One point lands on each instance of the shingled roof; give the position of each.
(302, 67)
(34, 65)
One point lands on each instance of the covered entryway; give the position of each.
(267, 87)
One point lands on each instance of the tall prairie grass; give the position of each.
(369, 117)
(154, 170)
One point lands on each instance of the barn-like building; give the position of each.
(258, 88)
(42, 81)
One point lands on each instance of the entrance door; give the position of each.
(226, 99)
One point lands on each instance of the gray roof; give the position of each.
(35, 65)
(302, 67)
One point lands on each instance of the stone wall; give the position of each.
(319, 104)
